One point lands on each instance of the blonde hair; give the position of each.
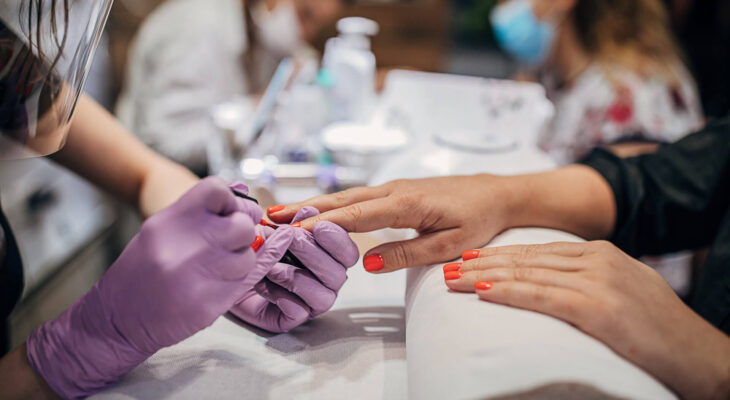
(634, 34)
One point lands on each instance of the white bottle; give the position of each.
(351, 63)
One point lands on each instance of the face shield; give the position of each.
(46, 50)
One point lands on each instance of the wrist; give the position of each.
(701, 369)
(80, 352)
(511, 193)
(573, 199)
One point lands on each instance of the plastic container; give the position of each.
(349, 61)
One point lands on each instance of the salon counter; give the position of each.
(457, 346)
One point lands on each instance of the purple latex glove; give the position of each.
(290, 296)
(187, 266)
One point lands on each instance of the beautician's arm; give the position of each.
(454, 214)
(101, 150)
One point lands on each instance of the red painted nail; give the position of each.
(452, 267)
(297, 224)
(453, 275)
(257, 243)
(483, 286)
(274, 209)
(470, 255)
(373, 263)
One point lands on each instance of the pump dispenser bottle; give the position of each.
(349, 61)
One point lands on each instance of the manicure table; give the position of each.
(404, 335)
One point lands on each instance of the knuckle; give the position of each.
(401, 255)
(540, 295)
(522, 274)
(602, 245)
(404, 201)
(442, 246)
(566, 308)
(353, 213)
(528, 250)
(341, 197)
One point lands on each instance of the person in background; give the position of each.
(190, 55)
(611, 68)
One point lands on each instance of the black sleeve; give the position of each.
(671, 200)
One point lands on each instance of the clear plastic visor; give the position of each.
(46, 49)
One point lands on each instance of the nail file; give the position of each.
(288, 258)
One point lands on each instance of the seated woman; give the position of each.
(611, 68)
(192, 54)
(674, 199)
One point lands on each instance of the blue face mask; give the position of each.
(520, 33)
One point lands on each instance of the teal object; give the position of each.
(520, 33)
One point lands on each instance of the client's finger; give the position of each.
(368, 216)
(424, 250)
(567, 249)
(284, 214)
(465, 281)
(561, 303)
(518, 260)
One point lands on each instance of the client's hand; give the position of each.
(451, 214)
(610, 296)
(290, 296)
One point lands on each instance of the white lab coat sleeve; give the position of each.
(180, 81)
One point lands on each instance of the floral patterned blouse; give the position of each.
(599, 110)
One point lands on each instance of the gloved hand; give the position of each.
(187, 266)
(290, 296)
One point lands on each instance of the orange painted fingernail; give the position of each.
(470, 255)
(453, 275)
(452, 267)
(373, 263)
(257, 243)
(483, 286)
(297, 224)
(274, 209)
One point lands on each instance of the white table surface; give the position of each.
(358, 350)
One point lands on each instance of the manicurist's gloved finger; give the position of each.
(426, 249)
(336, 241)
(264, 231)
(333, 239)
(259, 311)
(244, 205)
(328, 270)
(285, 214)
(371, 215)
(302, 283)
(215, 194)
(285, 310)
(234, 232)
(270, 253)
(304, 213)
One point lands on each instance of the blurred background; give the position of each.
(69, 232)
